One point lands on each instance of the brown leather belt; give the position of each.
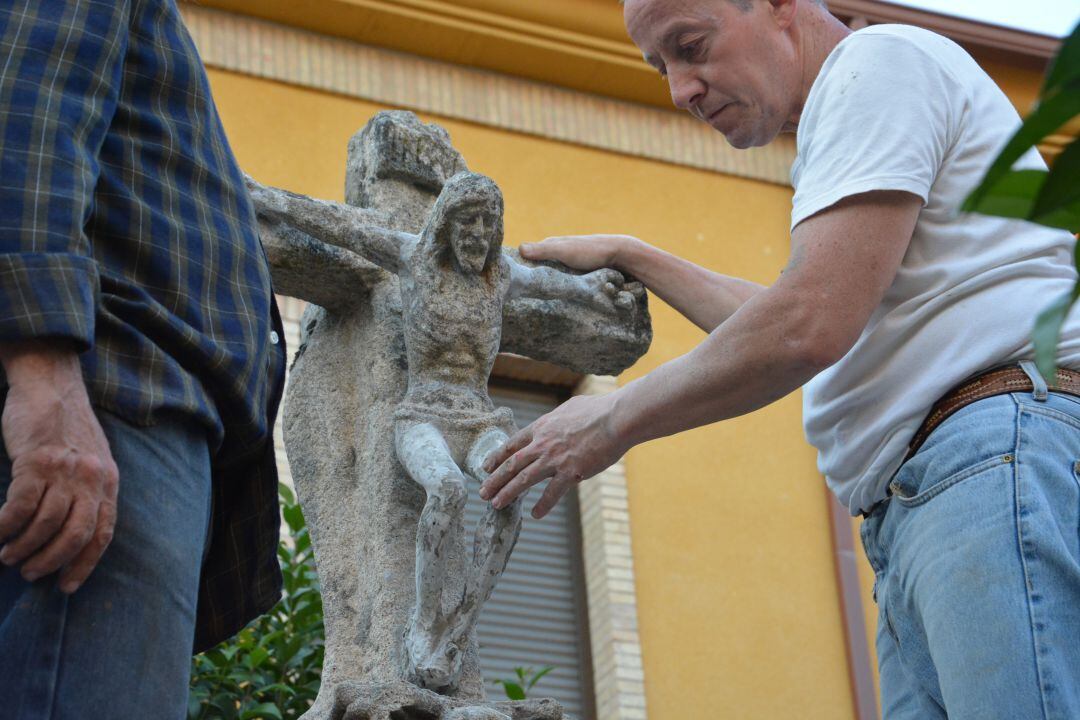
(995, 382)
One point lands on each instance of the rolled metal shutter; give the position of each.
(537, 615)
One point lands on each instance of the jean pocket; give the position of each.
(911, 489)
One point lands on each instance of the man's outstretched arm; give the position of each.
(334, 223)
(703, 297)
(843, 261)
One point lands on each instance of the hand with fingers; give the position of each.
(581, 252)
(60, 509)
(572, 443)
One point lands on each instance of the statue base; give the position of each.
(405, 701)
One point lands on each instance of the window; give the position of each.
(537, 615)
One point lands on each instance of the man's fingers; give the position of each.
(624, 301)
(635, 288)
(520, 484)
(554, 492)
(494, 460)
(50, 516)
(75, 574)
(537, 251)
(506, 472)
(76, 532)
(23, 498)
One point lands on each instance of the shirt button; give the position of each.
(274, 337)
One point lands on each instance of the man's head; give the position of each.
(467, 221)
(740, 66)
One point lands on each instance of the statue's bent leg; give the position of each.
(496, 534)
(423, 452)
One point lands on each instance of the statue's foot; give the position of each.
(434, 663)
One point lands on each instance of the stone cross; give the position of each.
(387, 415)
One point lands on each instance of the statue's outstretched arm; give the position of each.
(333, 223)
(605, 290)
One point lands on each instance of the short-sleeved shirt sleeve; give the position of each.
(881, 116)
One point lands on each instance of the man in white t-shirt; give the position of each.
(893, 309)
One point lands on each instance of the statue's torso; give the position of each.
(453, 326)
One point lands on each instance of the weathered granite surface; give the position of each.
(403, 701)
(387, 417)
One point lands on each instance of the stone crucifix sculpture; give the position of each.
(428, 276)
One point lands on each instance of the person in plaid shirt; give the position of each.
(142, 366)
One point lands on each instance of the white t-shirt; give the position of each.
(900, 108)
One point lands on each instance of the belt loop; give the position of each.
(1040, 391)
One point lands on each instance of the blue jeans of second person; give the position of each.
(120, 646)
(976, 558)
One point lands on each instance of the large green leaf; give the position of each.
(1048, 330)
(1013, 195)
(1066, 67)
(1061, 190)
(1051, 114)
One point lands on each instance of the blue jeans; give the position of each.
(976, 558)
(120, 646)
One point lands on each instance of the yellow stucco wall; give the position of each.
(738, 608)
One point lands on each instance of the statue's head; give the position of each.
(467, 221)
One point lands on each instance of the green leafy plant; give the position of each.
(1049, 198)
(526, 680)
(271, 670)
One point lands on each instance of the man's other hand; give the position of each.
(572, 443)
(60, 509)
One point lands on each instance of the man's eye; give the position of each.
(691, 49)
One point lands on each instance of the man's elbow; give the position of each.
(816, 347)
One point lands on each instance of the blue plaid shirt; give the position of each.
(125, 231)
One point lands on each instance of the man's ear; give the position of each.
(783, 11)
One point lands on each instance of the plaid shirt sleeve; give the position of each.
(69, 62)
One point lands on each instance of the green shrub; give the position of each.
(272, 668)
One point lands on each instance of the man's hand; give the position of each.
(60, 509)
(571, 443)
(581, 252)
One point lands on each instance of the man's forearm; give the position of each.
(760, 355)
(702, 296)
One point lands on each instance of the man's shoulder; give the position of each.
(901, 50)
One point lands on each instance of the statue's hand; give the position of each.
(608, 291)
(268, 204)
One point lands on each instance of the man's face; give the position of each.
(735, 70)
(470, 237)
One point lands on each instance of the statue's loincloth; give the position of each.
(459, 428)
(450, 419)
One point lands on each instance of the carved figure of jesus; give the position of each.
(455, 280)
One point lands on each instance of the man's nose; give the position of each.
(687, 89)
